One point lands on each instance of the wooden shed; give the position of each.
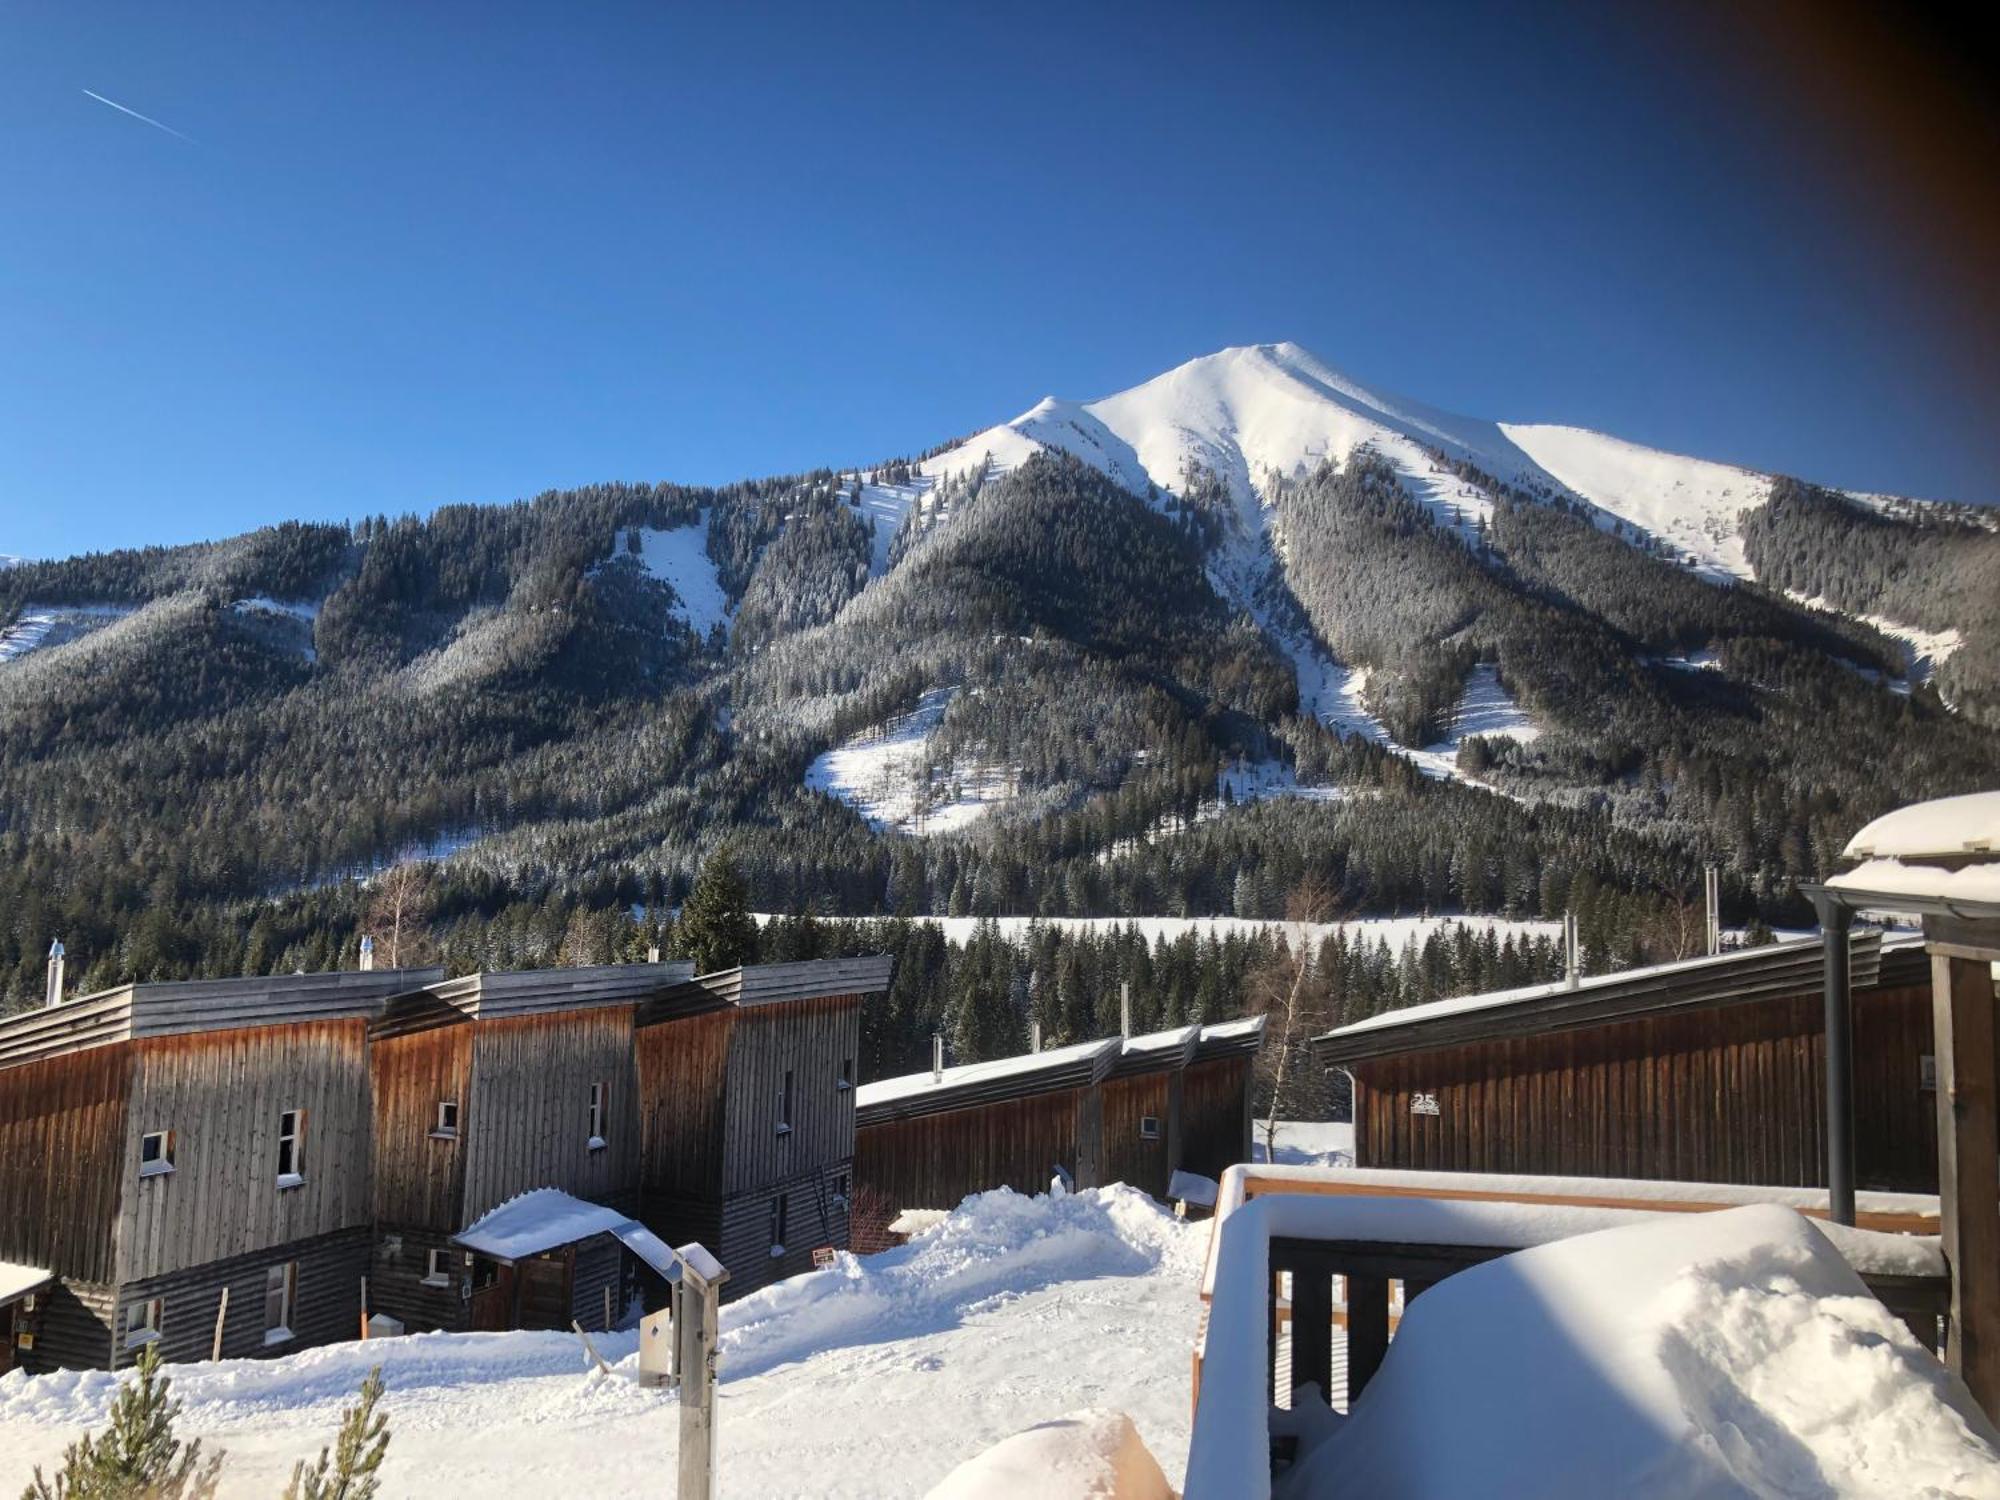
(1708, 1070)
(492, 1086)
(163, 1146)
(747, 1123)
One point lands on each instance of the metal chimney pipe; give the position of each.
(1572, 952)
(1034, 1036)
(1125, 1010)
(937, 1057)
(55, 990)
(1712, 900)
(367, 953)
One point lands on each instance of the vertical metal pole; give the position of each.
(1712, 900)
(1125, 1010)
(1835, 920)
(1572, 956)
(694, 1331)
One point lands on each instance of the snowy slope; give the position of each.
(680, 559)
(873, 1378)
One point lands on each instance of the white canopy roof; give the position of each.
(16, 1281)
(1933, 830)
(546, 1218)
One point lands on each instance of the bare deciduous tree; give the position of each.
(400, 913)
(1295, 995)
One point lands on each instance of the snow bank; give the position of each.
(995, 1247)
(1732, 1353)
(1087, 1455)
(1305, 1143)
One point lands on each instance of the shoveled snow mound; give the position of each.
(1087, 1455)
(873, 1378)
(680, 558)
(1691, 504)
(1724, 1354)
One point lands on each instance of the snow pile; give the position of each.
(885, 773)
(680, 559)
(1732, 1353)
(994, 1248)
(1087, 1455)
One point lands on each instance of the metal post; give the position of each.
(1572, 954)
(1712, 900)
(695, 1318)
(1034, 1036)
(1835, 920)
(1125, 1010)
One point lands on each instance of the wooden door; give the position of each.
(545, 1288)
(492, 1297)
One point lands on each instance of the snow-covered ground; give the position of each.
(872, 1378)
(1924, 651)
(1485, 708)
(1305, 1143)
(1398, 932)
(680, 559)
(52, 624)
(883, 773)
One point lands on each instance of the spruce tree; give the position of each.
(349, 1472)
(716, 929)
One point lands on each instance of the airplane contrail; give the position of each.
(148, 119)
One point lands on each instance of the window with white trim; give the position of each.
(281, 1286)
(785, 1105)
(139, 1322)
(1149, 1127)
(291, 1148)
(156, 1153)
(597, 1095)
(437, 1267)
(446, 1128)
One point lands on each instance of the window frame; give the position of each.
(842, 1185)
(846, 1079)
(600, 1094)
(1149, 1127)
(287, 1290)
(437, 1266)
(291, 1148)
(441, 1129)
(162, 1164)
(147, 1330)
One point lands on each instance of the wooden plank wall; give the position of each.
(73, 1328)
(682, 1066)
(528, 1122)
(420, 1179)
(1215, 1116)
(397, 1262)
(810, 1039)
(222, 1094)
(1128, 1156)
(812, 1219)
(1733, 1094)
(933, 1161)
(326, 1305)
(62, 1149)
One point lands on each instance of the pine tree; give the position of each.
(137, 1457)
(716, 929)
(350, 1472)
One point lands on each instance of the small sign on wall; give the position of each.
(823, 1257)
(1423, 1104)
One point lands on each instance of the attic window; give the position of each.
(140, 1322)
(156, 1153)
(292, 1148)
(447, 1121)
(1149, 1127)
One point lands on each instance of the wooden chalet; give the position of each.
(164, 1147)
(493, 1086)
(1707, 1070)
(748, 1123)
(1130, 1109)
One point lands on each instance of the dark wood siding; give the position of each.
(73, 1328)
(1728, 1094)
(222, 1094)
(1215, 1116)
(326, 1306)
(813, 1218)
(1128, 1156)
(62, 1153)
(934, 1161)
(682, 1067)
(420, 1178)
(527, 1126)
(807, 1039)
(599, 1264)
(398, 1263)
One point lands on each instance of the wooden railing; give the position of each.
(1346, 1268)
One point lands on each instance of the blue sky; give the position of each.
(421, 254)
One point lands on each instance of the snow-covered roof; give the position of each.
(1973, 885)
(1939, 829)
(1057, 1061)
(16, 1281)
(546, 1218)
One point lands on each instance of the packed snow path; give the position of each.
(873, 1378)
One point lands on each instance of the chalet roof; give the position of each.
(1743, 975)
(518, 992)
(1076, 1066)
(131, 1011)
(771, 984)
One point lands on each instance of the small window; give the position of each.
(597, 1092)
(291, 1148)
(846, 1074)
(140, 1322)
(447, 1120)
(785, 1105)
(777, 1226)
(281, 1285)
(1149, 1127)
(437, 1267)
(156, 1153)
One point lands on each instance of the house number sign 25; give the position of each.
(1423, 1104)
